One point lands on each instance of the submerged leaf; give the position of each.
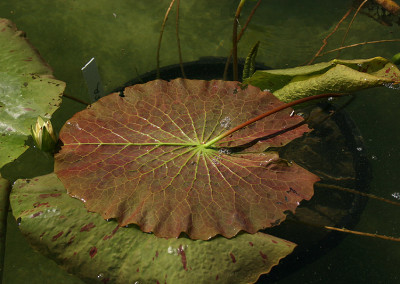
(27, 90)
(98, 251)
(336, 76)
(142, 159)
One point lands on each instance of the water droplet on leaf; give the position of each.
(226, 122)
(266, 163)
(171, 250)
(224, 151)
(100, 276)
(392, 86)
(396, 195)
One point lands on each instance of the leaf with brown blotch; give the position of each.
(146, 158)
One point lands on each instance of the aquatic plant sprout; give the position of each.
(44, 135)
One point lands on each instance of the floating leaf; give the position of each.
(27, 90)
(336, 76)
(146, 158)
(98, 251)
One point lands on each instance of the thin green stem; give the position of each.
(265, 114)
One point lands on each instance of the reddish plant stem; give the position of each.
(325, 40)
(248, 20)
(75, 99)
(369, 195)
(351, 22)
(161, 35)
(235, 40)
(228, 60)
(178, 39)
(265, 114)
(358, 44)
(344, 230)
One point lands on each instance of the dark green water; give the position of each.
(123, 36)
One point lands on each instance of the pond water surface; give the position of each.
(123, 37)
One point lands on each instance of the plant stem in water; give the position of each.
(161, 35)
(369, 195)
(75, 99)
(325, 40)
(358, 44)
(228, 60)
(351, 22)
(235, 41)
(178, 39)
(389, 238)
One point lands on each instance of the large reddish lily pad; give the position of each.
(142, 157)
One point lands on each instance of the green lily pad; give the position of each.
(86, 245)
(27, 90)
(336, 76)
